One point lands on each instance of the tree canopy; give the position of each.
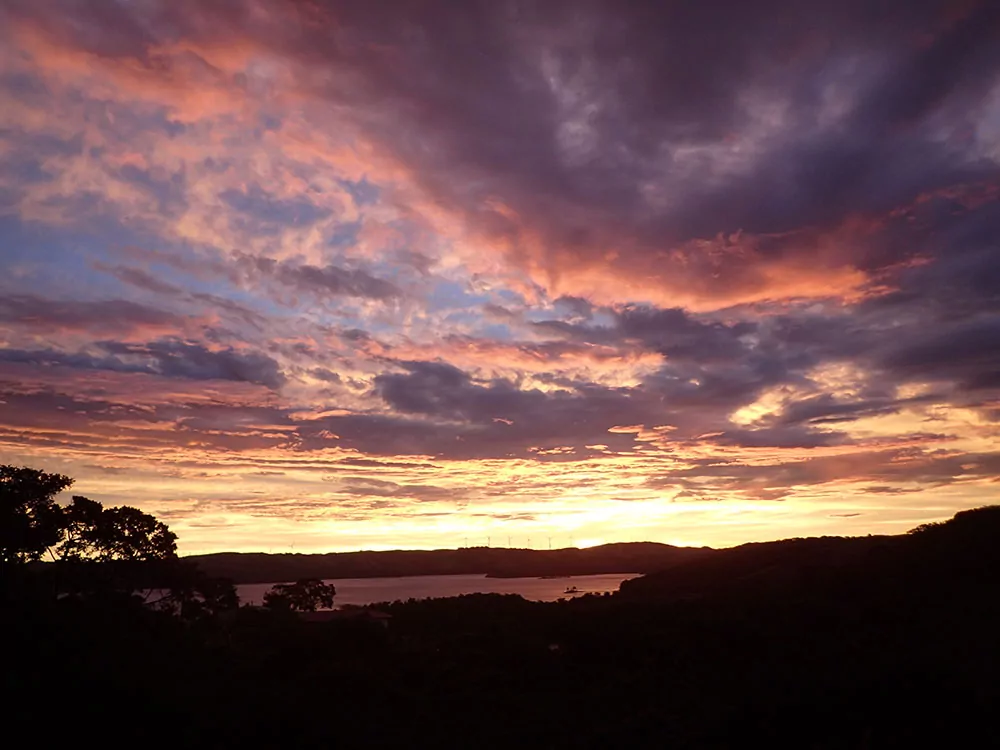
(120, 533)
(32, 523)
(305, 595)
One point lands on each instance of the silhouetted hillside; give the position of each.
(636, 557)
(967, 545)
(875, 642)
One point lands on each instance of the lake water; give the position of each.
(363, 591)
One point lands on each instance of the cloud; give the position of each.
(571, 251)
(331, 280)
(168, 358)
(967, 355)
(732, 176)
(142, 279)
(262, 209)
(676, 335)
(187, 360)
(100, 317)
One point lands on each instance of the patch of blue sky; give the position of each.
(452, 295)
(54, 261)
(509, 297)
(496, 331)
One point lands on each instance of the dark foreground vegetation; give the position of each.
(810, 643)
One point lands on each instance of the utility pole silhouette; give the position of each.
(488, 541)
(508, 541)
(550, 543)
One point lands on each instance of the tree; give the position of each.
(305, 595)
(193, 594)
(81, 521)
(93, 532)
(30, 520)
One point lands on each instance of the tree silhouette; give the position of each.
(305, 595)
(121, 533)
(30, 520)
(193, 594)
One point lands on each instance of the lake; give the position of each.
(361, 591)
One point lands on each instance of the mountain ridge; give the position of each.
(498, 562)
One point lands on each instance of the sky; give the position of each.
(298, 275)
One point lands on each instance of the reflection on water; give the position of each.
(371, 590)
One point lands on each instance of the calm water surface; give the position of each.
(371, 590)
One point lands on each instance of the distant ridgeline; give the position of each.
(676, 571)
(962, 550)
(932, 550)
(498, 562)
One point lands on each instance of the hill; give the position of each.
(962, 549)
(871, 642)
(633, 557)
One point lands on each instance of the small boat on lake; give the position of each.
(571, 590)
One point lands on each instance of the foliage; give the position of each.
(121, 533)
(194, 595)
(30, 520)
(31, 523)
(305, 595)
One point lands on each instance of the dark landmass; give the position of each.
(496, 562)
(875, 642)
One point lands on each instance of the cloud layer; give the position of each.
(344, 274)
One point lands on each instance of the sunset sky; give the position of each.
(310, 276)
